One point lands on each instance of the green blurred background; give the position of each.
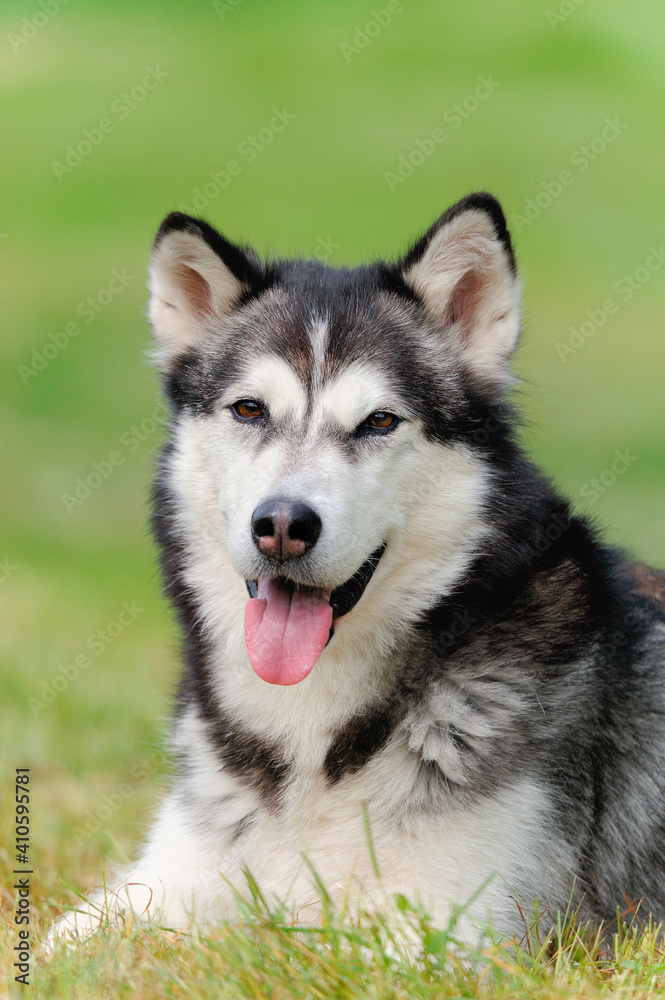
(366, 86)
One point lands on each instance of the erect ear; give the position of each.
(463, 271)
(196, 278)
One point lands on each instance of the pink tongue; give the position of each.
(286, 631)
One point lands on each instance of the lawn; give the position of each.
(308, 128)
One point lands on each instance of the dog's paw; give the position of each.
(75, 926)
(133, 898)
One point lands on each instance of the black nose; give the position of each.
(285, 529)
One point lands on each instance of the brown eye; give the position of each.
(379, 422)
(247, 409)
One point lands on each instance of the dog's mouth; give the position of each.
(287, 626)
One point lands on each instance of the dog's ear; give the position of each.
(196, 278)
(463, 272)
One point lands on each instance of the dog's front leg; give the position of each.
(184, 874)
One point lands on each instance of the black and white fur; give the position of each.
(495, 699)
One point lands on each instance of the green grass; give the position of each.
(272, 954)
(66, 569)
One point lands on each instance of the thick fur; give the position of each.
(495, 700)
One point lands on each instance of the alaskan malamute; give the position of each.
(387, 610)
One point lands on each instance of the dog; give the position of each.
(395, 628)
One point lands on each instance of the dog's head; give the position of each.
(324, 419)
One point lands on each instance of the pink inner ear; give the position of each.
(464, 301)
(195, 288)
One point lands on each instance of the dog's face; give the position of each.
(326, 418)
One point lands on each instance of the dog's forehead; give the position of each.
(344, 392)
(308, 349)
(329, 323)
